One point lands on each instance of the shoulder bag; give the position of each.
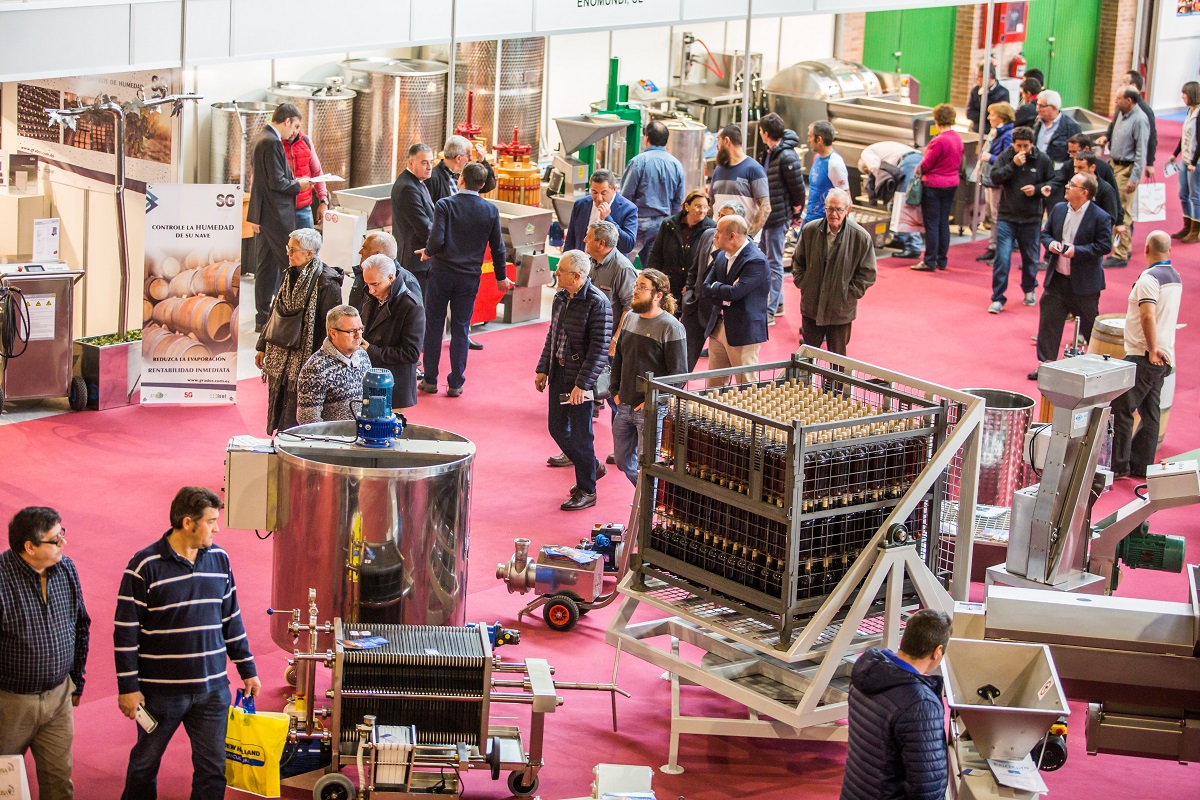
(285, 329)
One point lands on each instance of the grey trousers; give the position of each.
(44, 724)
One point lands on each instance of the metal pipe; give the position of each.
(984, 85)
(450, 76)
(746, 78)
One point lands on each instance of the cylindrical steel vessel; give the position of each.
(328, 119)
(399, 103)
(234, 128)
(506, 77)
(685, 141)
(1006, 418)
(382, 535)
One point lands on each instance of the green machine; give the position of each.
(606, 137)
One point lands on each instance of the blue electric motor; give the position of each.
(377, 425)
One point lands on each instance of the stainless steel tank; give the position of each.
(799, 93)
(399, 102)
(686, 141)
(511, 71)
(382, 535)
(1006, 418)
(233, 127)
(328, 118)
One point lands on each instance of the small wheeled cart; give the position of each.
(36, 319)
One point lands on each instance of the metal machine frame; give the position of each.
(803, 684)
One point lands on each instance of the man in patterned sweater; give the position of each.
(330, 384)
(177, 618)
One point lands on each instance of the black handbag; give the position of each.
(285, 329)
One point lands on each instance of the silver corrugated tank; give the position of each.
(508, 69)
(1006, 418)
(234, 126)
(400, 102)
(685, 141)
(382, 535)
(328, 118)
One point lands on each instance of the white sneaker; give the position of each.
(996, 307)
(1030, 298)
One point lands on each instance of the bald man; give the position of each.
(739, 287)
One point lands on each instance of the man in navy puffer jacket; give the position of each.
(897, 722)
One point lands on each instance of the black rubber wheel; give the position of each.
(493, 758)
(517, 786)
(1055, 755)
(79, 395)
(334, 786)
(561, 613)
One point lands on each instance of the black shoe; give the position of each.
(923, 267)
(579, 501)
(473, 345)
(1032, 376)
(258, 326)
(420, 373)
(612, 459)
(941, 266)
(1118, 474)
(986, 255)
(906, 254)
(704, 353)
(1113, 262)
(428, 388)
(559, 460)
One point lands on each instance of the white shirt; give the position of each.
(1070, 228)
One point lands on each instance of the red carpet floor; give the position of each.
(112, 475)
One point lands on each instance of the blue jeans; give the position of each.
(1025, 235)
(772, 247)
(1189, 192)
(458, 292)
(936, 204)
(571, 428)
(647, 233)
(304, 217)
(911, 241)
(204, 717)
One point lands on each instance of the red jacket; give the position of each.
(943, 157)
(302, 157)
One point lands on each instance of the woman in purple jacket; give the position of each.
(939, 178)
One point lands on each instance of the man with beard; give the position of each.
(741, 178)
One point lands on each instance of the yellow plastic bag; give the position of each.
(253, 746)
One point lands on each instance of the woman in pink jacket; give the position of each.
(939, 178)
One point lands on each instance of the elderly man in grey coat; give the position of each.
(331, 381)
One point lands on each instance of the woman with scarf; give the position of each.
(308, 290)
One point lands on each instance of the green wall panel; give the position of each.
(925, 39)
(1070, 60)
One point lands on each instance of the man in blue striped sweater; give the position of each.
(177, 618)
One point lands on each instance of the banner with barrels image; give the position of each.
(191, 292)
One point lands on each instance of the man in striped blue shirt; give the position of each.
(177, 618)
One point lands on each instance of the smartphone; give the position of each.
(147, 722)
(588, 397)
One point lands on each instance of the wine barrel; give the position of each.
(164, 312)
(220, 279)
(167, 268)
(182, 284)
(147, 311)
(160, 344)
(207, 318)
(156, 289)
(197, 258)
(1108, 339)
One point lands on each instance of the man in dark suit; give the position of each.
(739, 287)
(272, 211)
(463, 225)
(1077, 237)
(393, 318)
(1077, 144)
(412, 211)
(1053, 127)
(602, 203)
(1086, 162)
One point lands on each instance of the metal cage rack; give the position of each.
(768, 491)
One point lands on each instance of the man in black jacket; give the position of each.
(573, 356)
(995, 94)
(412, 211)
(393, 319)
(456, 154)
(1086, 163)
(1077, 237)
(272, 210)
(1021, 172)
(897, 723)
(1077, 144)
(1026, 114)
(1053, 128)
(785, 177)
(464, 224)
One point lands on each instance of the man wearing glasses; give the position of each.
(393, 316)
(43, 647)
(330, 382)
(833, 266)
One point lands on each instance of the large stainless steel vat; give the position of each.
(1006, 418)
(382, 535)
(400, 102)
(506, 77)
(234, 126)
(328, 118)
(799, 92)
(685, 141)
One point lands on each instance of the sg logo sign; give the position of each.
(224, 200)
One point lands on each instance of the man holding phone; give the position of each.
(573, 356)
(177, 620)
